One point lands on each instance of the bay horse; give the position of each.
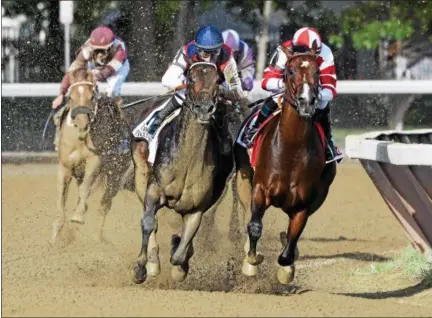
(91, 127)
(291, 171)
(188, 175)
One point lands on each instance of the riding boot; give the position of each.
(161, 115)
(325, 121)
(266, 110)
(222, 133)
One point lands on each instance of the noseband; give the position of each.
(84, 109)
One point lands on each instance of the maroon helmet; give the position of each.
(102, 38)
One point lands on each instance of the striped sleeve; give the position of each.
(272, 77)
(328, 79)
(119, 56)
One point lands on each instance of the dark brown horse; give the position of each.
(291, 171)
(188, 174)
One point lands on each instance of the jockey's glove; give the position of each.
(234, 94)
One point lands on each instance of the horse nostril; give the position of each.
(212, 109)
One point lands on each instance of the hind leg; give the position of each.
(64, 177)
(184, 250)
(286, 259)
(140, 154)
(254, 227)
(244, 177)
(111, 191)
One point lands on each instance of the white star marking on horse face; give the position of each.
(305, 64)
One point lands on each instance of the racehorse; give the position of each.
(91, 127)
(188, 175)
(290, 168)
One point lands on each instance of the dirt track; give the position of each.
(80, 277)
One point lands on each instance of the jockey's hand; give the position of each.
(239, 94)
(57, 101)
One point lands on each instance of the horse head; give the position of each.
(202, 89)
(82, 106)
(301, 80)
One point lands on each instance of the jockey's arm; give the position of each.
(272, 78)
(328, 79)
(247, 70)
(114, 65)
(174, 75)
(79, 62)
(232, 79)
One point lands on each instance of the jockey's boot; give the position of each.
(162, 115)
(222, 133)
(325, 121)
(267, 109)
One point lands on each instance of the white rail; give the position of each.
(156, 88)
(365, 146)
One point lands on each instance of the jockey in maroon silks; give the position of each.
(105, 54)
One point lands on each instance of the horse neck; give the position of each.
(291, 126)
(192, 137)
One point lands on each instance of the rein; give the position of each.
(84, 109)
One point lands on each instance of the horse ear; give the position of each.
(314, 47)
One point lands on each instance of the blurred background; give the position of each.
(370, 40)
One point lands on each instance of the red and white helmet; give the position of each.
(306, 36)
(102, 38)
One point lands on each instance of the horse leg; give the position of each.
(148, 226)
(153, 263)
(244, 176)
(181, 253)
(106, 203)
(91, 170)
(64, 177)
(254, 227)
(286, 259)
(140, 154)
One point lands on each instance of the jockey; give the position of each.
(105, 54)
(208, 46)
(272, 81)
(243, 56)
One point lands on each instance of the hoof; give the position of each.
(258, 259)
(285, 274)
(248, 269)
(139, 274)
(178, 274)
(153, 269)
(77, 219)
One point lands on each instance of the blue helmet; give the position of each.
(209, 38)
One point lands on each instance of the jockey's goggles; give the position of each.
(301, 49)
(209, 51)
(100, 51)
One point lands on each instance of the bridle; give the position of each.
(190, 102)
(84, 109)
(291, 92)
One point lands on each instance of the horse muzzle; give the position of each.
(204, 112)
